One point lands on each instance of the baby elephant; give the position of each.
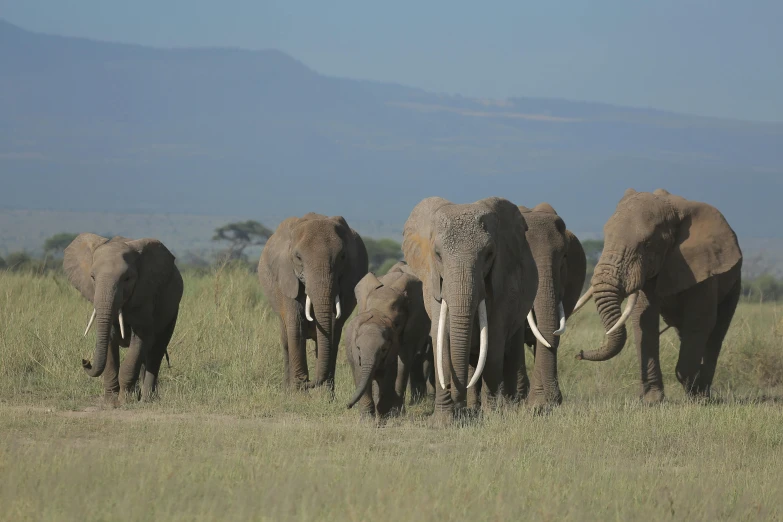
(135, 289)
(390, 330)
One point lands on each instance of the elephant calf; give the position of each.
(390, 331)
(135, 289)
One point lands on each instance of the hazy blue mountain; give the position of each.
(95, 126)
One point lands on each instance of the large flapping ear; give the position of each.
(155, 266)
(705, 245)
(417, 245)
(357, 258)
(276, 256)
(575, 273)
(514, 266)
(77, 262)
(366, 285)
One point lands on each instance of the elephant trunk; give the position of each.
(546, 307)
(462, 301)
(107, 307)
(607, 301)
(324, 306)
(365, 379)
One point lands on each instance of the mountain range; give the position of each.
(90, 126)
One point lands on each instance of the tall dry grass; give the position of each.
(224, 442)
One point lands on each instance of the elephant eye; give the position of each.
(92, 276)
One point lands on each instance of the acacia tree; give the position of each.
(57, 243)
(241, 235)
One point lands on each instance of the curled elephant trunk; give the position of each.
(608, 304)
(365, 380)
(106, 308)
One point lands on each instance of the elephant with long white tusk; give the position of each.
(672, 258)
(561, 263)
(479, 277)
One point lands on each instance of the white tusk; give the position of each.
(444, 309)
(626, 313)
(308, 304)
(122, 325)
(483, 345)
(89, 323)
(337, 305)
(561, 312)
(536, 332)
(584, 299)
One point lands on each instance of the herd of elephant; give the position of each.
(479, 282)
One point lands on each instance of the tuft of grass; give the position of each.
(225, 442)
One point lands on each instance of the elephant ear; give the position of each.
(77, 262)
(277, 258)
(417, 245)
(576, 270)
(705, 245)
(155, 266)
(514, 266)
(367, 284)
(357, 258)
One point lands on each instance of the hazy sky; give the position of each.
(710, 57)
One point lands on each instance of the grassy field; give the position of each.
(224, 442)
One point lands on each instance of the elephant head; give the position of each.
(561, 265)
(323, 259)
(379, 332)
(469, 255)
(657, 235)
(112, 275)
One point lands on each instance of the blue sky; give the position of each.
(709, 57)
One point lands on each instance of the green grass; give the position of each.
(224, 442)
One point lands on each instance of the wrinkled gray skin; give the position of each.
(465, 254)
(138, 277)
(684, 260)
(390, 328)
(321, 257)
(561, 263)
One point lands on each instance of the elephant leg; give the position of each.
(715, 341)
(444, 404)
(418, 385)
(286, 362)
(131, 368)
(645, 319)
(522, 382)
(152, 361)
(296, 354)
(474, 392)
(336, 335)
(111, 384)
(401, 381)
(492, 376)
(698, 322)
(389, 401)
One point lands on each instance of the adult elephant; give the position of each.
(674, 258)
(479, 280)
(308, 270)
(561, 265)
(135, 289)
(390, 328)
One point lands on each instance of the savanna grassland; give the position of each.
(225, 443)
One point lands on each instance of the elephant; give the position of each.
(391, 326)
(673, 258)
(135, 289)
(308, 270)
(562, 265)
(479, 280)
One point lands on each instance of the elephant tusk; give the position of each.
(308, 305)
(561, 313)
(122, 325)
(89, 323)
(532, 322)
(483, 344)
(626, 313)
(583, 300)
(444, 309)
(337, 306)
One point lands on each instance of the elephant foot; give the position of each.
(545, 398)
(440, 419)
(111, 399)
(652, 397)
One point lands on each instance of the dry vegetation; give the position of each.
(225, 443)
